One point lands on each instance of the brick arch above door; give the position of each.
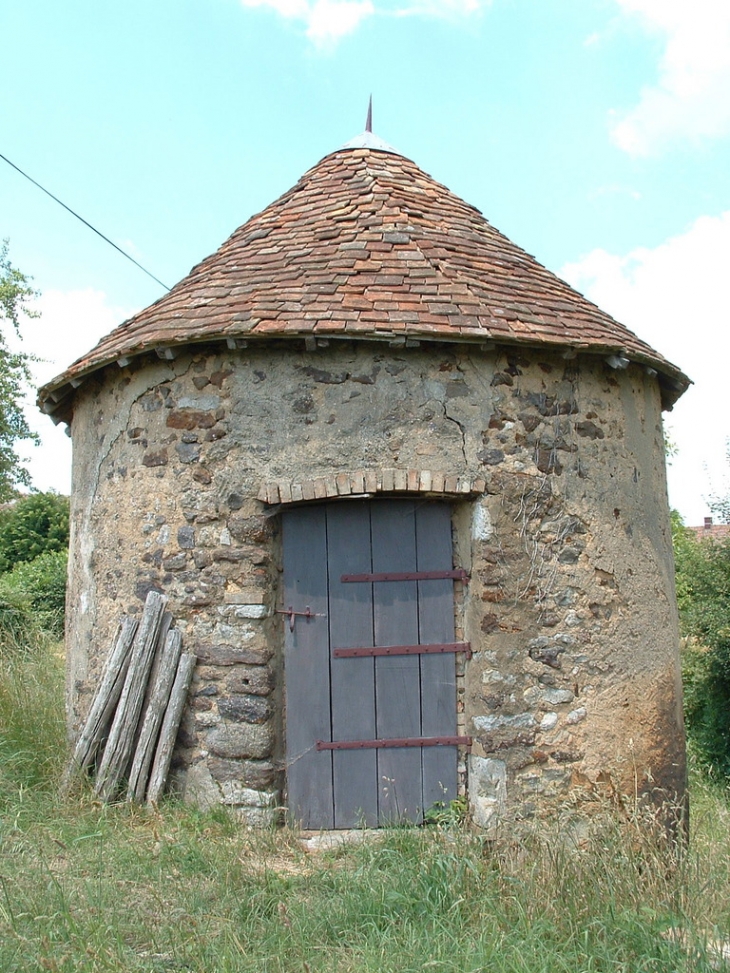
(346, 483)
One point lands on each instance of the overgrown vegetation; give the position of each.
(703, 596)
(33, 525)
(34, 533)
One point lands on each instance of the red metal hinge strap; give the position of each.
(458, 573)
(386, 744)
(436, 647)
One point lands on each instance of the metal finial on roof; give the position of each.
(366, 139)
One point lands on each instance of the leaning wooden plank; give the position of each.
(170, 726)
(103, 704)
(118, 750)
(165, 626)
(161, 682)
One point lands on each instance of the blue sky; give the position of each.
(595, 133)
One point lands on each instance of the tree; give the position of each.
(33, 525)
(15, 293)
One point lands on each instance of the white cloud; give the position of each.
(692, 97)
(443, 9)
(287, 8)
(70, 324)
(326, 21)
(675, 297)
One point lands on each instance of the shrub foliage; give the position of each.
(36, 590)
(33, 559)
(703, 597)
(33, 525)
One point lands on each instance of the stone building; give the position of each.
(405, 491)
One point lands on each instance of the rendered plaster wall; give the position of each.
(573, 688)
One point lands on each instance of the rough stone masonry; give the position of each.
(554, 472)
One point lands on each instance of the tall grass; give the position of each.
(32, 728)
(86, 887)
(95, 889)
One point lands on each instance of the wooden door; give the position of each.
(369, 664)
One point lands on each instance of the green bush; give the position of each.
(36, 592)
(33, 525)
(706, 709)
(703, 597)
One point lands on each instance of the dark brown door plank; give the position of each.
(309, 772)
(397, 678)
(353, 680)
(438, 675)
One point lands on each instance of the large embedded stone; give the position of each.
(258, 774)
(243, 611)
(257, 680)
(488, 724)
(198, 787)
(186, 537)
(242, 740)
(244, 708)
(230, 655)
(238, 795)
(487, 791)
(547, 697)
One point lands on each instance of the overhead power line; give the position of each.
(85, 222)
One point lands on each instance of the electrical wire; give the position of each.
(85, 222)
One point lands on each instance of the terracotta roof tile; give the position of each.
(368, 244)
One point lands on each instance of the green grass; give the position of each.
(84, 887)
(32, 723)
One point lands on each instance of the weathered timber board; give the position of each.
(438, 672)
(397, 678)
(306, 669)
(170, 727)
(353, 680)
(161, 684)
(119, 746)
(104, 702)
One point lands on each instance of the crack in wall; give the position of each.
(462, 432)
(154, 377)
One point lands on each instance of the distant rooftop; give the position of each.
(711, 531)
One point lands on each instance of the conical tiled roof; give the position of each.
(366, 245)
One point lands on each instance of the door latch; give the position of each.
(307, 613)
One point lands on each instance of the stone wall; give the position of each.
(556, 473)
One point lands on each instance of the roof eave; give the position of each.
(55, 398)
